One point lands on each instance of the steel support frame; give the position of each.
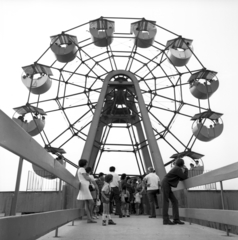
(153, 146)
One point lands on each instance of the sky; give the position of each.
(26, 27)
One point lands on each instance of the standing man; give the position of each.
(115, 191)
(171, 179)
(152, 182)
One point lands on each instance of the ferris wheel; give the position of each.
(93, 61)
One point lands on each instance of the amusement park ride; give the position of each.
(138, 80)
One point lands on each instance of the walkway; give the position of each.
(136, 228)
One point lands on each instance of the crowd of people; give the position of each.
(125, 195)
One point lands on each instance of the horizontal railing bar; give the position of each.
(18, 141)
(33, 226)
(221, 174)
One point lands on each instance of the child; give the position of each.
(106, 190)
(137, 202)
(125, 201)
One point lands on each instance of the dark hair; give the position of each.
(123, 176)
(108, 178)
(82, 162)
(140, 177)
(88, 169)
(100, 174)
(124, 187)
(112, 169)
(179, 162)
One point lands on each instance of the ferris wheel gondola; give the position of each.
(179, 51)
(204, 133)
(37, 122)
(144, 32)
(193, 158)
(45, 174)
(207, 88)
(102, 31)
(64, 47)
(36, 78)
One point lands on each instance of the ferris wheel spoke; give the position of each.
(92, 58)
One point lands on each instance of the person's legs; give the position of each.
(174, 202)
(91, 206)
(111, 201)
(145, 203)
(123, 209)
(110, 221)
(156, 199)
(165, 191)
(117, 201)
(150, 194)
(128, 209)
(104, 214)
(137, 208)
(87, 208)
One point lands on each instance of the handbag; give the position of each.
(98, 202)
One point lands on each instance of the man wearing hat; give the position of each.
(153, 183)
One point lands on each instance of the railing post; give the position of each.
(56, 232)
(223, 207)
(14, 201)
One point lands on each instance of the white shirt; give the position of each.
(115, 180)
(152, 180)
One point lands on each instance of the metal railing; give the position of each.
(16, 140)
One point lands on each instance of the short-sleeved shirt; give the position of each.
(115, 180)
(106, 188)
(152, 181)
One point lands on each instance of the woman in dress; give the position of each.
(84, 193)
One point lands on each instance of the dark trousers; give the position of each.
(168, 195)
(153, 201)
(115, 196)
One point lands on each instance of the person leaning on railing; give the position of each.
(178, 173)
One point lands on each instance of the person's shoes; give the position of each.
(91, 221)
(152, 216)
(104, 223)
(120, 216)
(128, 215)
(178, 222)
(110, 222)
(168, 223)
(123, 215)
(157, 207)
